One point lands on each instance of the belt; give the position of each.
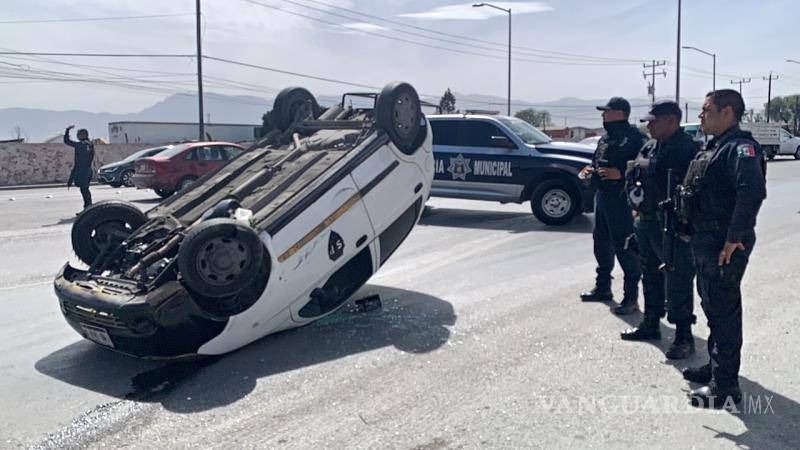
(709, 225)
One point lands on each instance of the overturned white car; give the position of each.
(281, 236)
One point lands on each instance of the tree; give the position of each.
(782, 109)
(539, 119)
(448, 102)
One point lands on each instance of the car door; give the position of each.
(475, 159)
(788, 145)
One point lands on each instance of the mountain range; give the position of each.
(38, 125)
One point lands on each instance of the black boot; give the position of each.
(597, 295)
(714, 396)
(683, 346)
(649, 329)
(629, 305)
(700, 374)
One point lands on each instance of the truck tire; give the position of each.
(219, 258)
(291, 104)
(103, 225)
(398, 112)
(555, 202)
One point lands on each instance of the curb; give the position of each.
(23, 187)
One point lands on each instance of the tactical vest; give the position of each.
(640, 187)
(687, 199)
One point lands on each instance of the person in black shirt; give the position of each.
(81, 174)
(720, 199)
(613, 225)
(669, 152)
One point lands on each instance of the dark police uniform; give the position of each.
(613, 227)
(647, 188)
(720, 198)
(82, 172)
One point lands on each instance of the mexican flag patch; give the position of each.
(746, 150)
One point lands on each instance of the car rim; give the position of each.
(126, 178)
(102, 233)
(221, 260)
(405, 115)
(556, 203)
(185, 184)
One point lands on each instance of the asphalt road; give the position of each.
(481, 342)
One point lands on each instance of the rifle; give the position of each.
(669, 225)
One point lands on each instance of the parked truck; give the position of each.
(773, 139)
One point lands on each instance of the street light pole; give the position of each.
(201, 133)
(479, 5)
(678, 62)
(714, 64)
(796, 102)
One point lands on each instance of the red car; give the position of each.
(179, 166)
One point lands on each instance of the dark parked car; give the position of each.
(120, 173)
(178, 167)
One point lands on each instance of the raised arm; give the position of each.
(67, 140)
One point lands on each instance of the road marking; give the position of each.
(20, 286)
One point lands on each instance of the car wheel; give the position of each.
(114, 185)
(399, 114)
(219, 258)
(185, 182)
(163, 193)
(127, 178)
(104, 225)
(555, 202)
(292, 104)
(797, 153)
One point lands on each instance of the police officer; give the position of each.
(613, 227)
(720, 198)
(669, 152)
(81, 174)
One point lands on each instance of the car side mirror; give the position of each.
(503, 142)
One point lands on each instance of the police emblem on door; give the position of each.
(459, 167)
(335, 246)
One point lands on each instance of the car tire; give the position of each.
(163, 193)
(555, 202)
(102, 225)
(219, 258)
(185, 182)
(398, 112)
(126, 178)
(292, 104)
(797, 153)
(115, 185)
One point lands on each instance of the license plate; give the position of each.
(97, 334)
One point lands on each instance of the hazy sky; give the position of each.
(750, 38)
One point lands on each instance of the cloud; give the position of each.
(467, 12)
(364, 26)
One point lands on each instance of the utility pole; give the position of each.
(201, 133)
(739, 82)
(686, 118)
(678, 60)
(651, 87)
(796, 112)
(508, 11)
(769, 91)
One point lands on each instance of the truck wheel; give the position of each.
(103, 225)
(555, 202)
(291, 104)
(219, 258)
(797, 153)
(399, 113)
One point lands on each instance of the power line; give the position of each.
(424, 44)
(92, 19)
(102, 55)
(438, 32)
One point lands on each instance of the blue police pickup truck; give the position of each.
(505, 159)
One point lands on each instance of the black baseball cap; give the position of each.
(617, 103)
(663, 108)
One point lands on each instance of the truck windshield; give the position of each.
(527, 132)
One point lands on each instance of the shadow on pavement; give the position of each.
(410, 321)
(65, 221)
(515, 222)
(771, 419)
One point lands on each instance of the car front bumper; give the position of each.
(163, 323)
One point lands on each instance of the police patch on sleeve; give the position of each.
(746, 150)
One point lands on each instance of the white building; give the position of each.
(165, 132)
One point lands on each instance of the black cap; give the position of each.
(618, 103)
(663, 108)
